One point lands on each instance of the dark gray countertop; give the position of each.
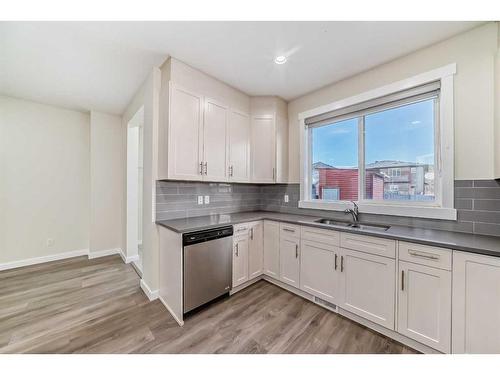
(487, 245)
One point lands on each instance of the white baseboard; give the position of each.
(176, 318)
(128, 259)
(103, 253)
(151, 294)
(43, 259)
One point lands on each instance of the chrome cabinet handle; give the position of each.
(423, 255)
(296, 250)
(237, 253)
(251, 233)
(335, 261)
(402, 280)
(206, 167)
(289, 230)
(201, 167)
(273, 174)
(342, 263)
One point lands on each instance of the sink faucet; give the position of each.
(354, 212)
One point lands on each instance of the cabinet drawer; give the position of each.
(241, 229)
(367, 244)
(426, 255)
(325, 236)
(289, 230)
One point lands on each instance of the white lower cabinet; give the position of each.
(476, 303)
(255, 250)
(290, 260)
(318, 265)
(240, 260)
(272, 249)
(424, 305)
(367, 284)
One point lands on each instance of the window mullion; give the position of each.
(361, 158)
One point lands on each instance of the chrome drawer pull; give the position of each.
(296, 251)
(237, 253)
(335, 261)
(289, 230)
(423, 255)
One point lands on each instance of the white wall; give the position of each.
(106, 176)
(474, 52)
(44, 180)
(147, 96)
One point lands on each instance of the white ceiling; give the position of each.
(100, 65)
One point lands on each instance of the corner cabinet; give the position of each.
(271, 249)
(476, 304)
(263, 149)
(255, 249)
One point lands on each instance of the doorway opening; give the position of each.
(135, 152)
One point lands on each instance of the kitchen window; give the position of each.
(390, 153)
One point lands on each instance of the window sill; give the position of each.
(420, 211)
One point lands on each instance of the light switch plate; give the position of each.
(286, 198)
(200, 199)
(207, 199)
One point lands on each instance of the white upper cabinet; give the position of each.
(209, 131)
(424, 308)
(185, 129)
(215, 141)
(367, 286)
(239, 147)
(269, 146)
(476, 303)
(263, 149)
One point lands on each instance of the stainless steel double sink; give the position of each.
(360, 226)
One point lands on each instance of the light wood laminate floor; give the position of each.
(96, 306)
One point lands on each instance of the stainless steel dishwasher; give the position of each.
(207, 265)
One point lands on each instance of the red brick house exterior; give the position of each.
(346, 181)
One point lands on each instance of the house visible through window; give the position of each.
(389, 144)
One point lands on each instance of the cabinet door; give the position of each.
(290, 261)
(318, 269)
(271, 249)
(255, 250)
(214, 141)
(263, 149)
(367, 286)
(424, 305)
(185, 134)
(476, 303)
(240, 260)
(239, 147)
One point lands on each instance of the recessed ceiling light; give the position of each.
(280, 60)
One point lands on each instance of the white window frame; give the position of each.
(443, 206)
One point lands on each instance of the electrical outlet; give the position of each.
(286, 198)
(207, 199)
(50, 242)
(200, 199)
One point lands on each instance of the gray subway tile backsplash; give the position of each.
(477, 202)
